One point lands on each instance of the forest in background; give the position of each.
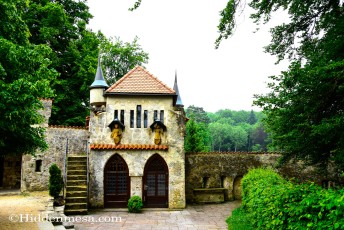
(225, 130)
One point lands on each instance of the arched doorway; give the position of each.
(155, 183)
(116, 183)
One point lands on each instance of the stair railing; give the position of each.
(65, 168)
(87, 169)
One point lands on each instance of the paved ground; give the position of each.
(207, 217)
(17, 212)
(30, 206)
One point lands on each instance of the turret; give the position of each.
(179, 102)
(97, 88)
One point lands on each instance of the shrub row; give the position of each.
(275, 203)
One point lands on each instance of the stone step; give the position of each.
(77, 158)
(82, 199)
(76, 193)
(76, 212)
(76, 172)
(76, 182)
(76, 177)
(73, 206)
(77, 162)
(76, 188)
(72, 167)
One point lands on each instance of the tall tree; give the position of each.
(198, 113)
(197, 137)
(61, 24)
(119, 57)
(305, 107)
(25, 77)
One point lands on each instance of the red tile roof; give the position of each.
(128, 147)
(140, 81)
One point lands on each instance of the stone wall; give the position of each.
(11, 172)
(225, 170)
(61, 141)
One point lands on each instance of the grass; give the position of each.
(239, 220)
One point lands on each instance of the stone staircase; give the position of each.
(76, 189)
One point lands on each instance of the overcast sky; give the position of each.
(179, 35)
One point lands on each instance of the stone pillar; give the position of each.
(136, 186)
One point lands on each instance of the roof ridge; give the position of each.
(140, 80)
(157, 79)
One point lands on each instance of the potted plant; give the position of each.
(56, 185)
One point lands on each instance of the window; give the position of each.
(162, 116)
(145, 119)
(138, 116)
(122, 116)
(116, 114)
(131, 118)
(38, 167)
(155, 115)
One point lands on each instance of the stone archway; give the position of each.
(237, 191)
(116, 183)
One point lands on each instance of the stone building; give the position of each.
(136, 140)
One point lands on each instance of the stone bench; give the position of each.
(209, 195)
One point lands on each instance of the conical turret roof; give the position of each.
(99, 81)
(175, 88)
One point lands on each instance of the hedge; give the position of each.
(275, 203)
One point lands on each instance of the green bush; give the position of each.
(240, 220)
(55, 181)
(275, 203)
(135, 204)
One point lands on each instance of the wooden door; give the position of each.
(155, 183)
(116, 183)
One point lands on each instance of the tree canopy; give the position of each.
(224, 130)
(25, 77)
(47, 52)
(61, 25)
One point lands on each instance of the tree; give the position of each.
(25, 77)
(252, 118)
(119, 57)
(197, 137)
(198, 113)
(61, 24)
(305, 107)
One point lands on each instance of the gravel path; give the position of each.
(22, 210)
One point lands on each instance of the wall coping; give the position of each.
(232, 153)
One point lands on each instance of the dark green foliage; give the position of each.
(118, 58)
(135, 204)
(62, 24)
(55, 181)
(225, 130)
(197, 137)
(198, 114)
(305, 107)
(275, 203)
(239, 220)
(25, 77)
(252, 118)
